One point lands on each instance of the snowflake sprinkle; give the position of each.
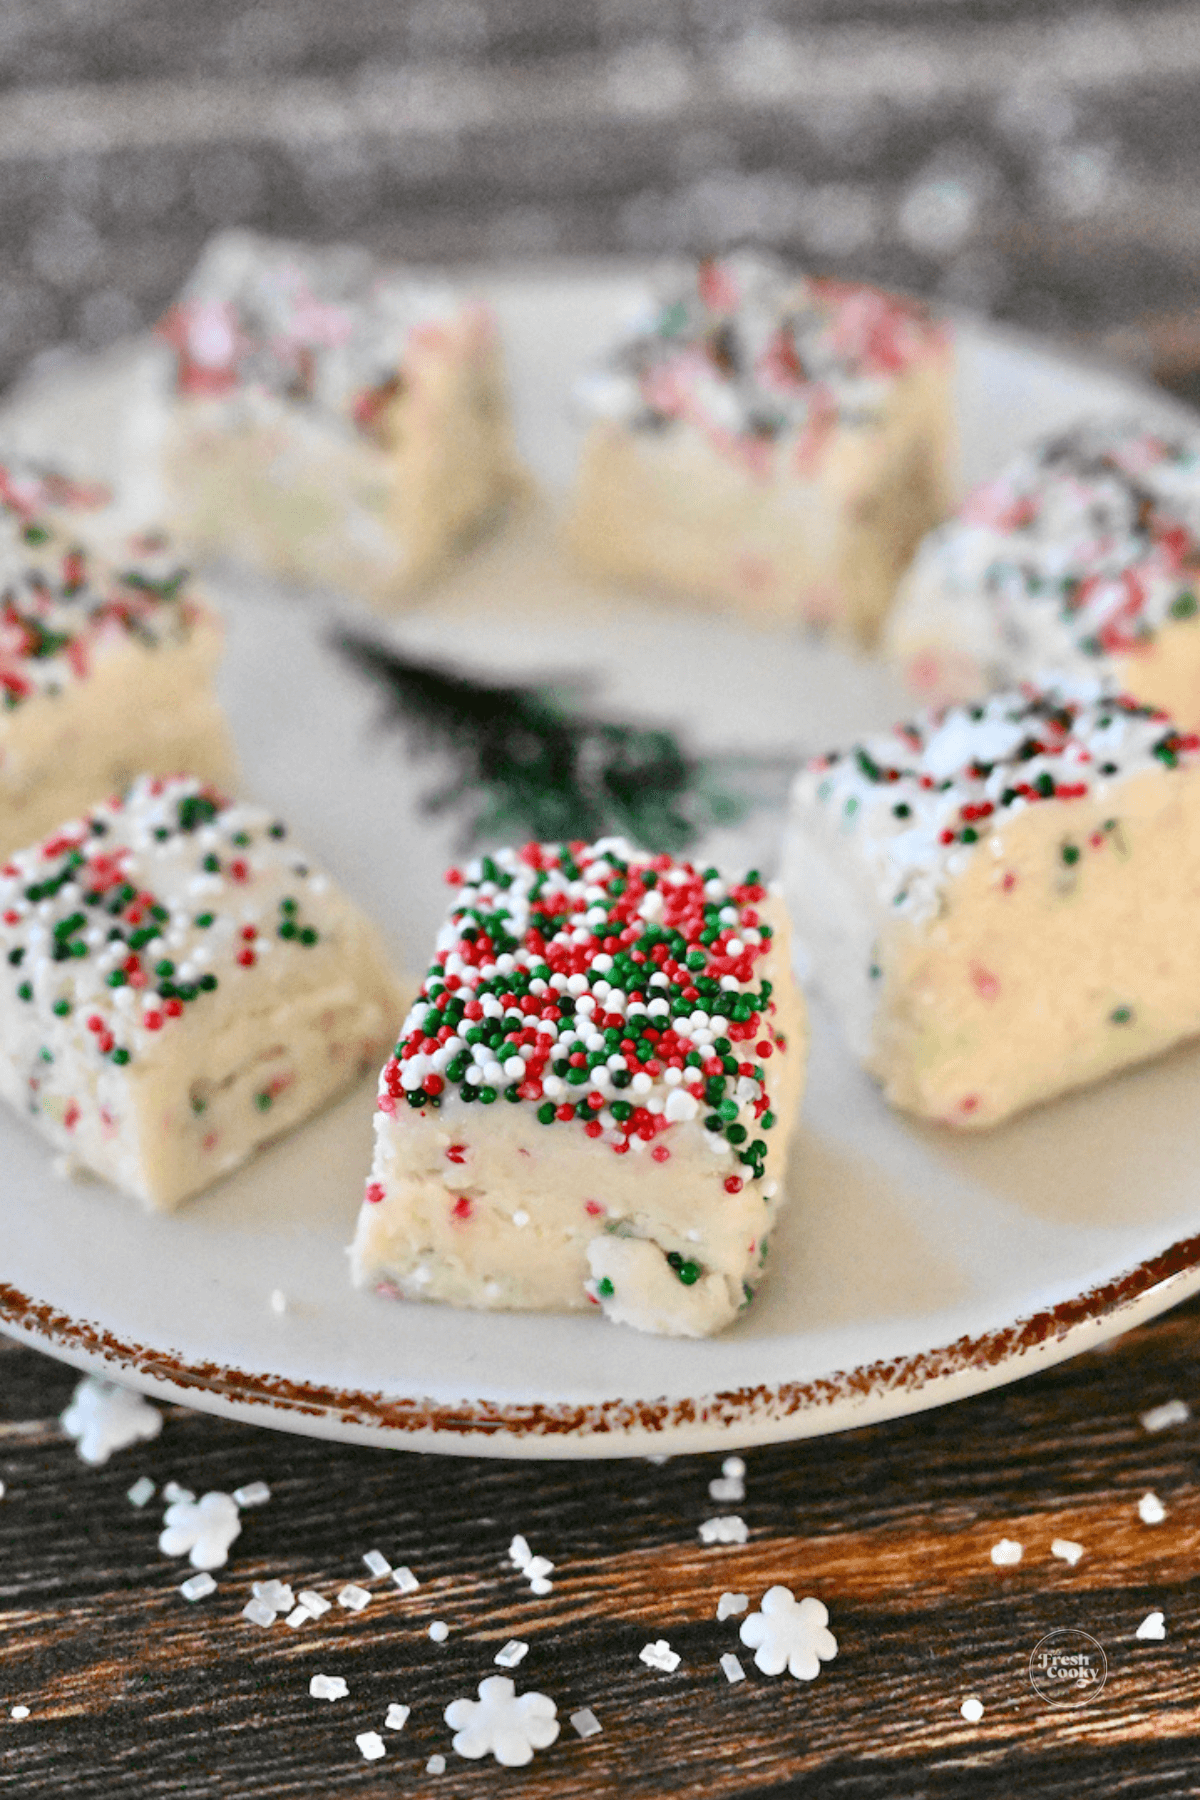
(104, 1417)
(789, 1634)
(204, 1529)
(511, 1728)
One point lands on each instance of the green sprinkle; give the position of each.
(211, 864)
(545, 1113)
(1121, 1015)
(116, 978)
(307, 935)
(487, 1095)
(688, 1273)
(61, 1008)
(203, 920)
(25, 991)
(207, 982)
(604, 1288)
(1184, 606)
(263, 1100)
(120, 1056)
(1070, 854)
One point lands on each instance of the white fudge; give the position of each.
(1082, 556)
(334, 420)
(107, 656)
(591, 1098)
(998, 901)
(771, 442)
(180, 985)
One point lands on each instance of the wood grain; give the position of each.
(133, 1691)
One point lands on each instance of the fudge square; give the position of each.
(334, 420)
(998, 900)
(1082, 555)
(591, 1098)
(769, 441)
(107, 656)
(180, 986)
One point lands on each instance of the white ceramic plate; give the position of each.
(912, 1267)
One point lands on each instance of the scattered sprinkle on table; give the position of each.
(196, 1587)
(790, 1634)
(732, 1668)
(255, 1493)
(503, 1723)
(1171, 1412)
(1066, 1550)
(259, 1613)
(142, 1491)
(731, 1604)
(19, 1712)
(104, 1417)
(275, 1594)
(405, 1580)
(371, 1745)
(585, 1722)
(731, 1483)
(353, 1597)
(439, 1631)
(204, 1529)
(377, 1562)
(971, 1710)
(436, 1765)
(1151, 1510)
(730, 1529)
(397, 1716)
(173, 1492)
(1152, 1626)
(660, 1655)
(328, 1687)
(510, 1656)
(298, 1616)
(536, 1569)
(315, 1603)
(1007, 1553)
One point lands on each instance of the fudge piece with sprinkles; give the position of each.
(997, 899)
(334, 420)
(1082, 556)
(107, 656)
(769, 441)
(180, 985)
(591, 1098)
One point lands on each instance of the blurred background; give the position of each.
(1038, 162)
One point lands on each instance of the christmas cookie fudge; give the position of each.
(334, 420)
(1082, 556)
(179, 986)
(997, 900)
(591, 1098)
(770, 441)
(107, 656)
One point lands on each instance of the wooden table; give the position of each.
(131, 1690)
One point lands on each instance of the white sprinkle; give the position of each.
(397, 1716)
(173, 1492)
(659, 1655)
(353, 1597)
(585, 1722)
(1066, 1550)
(728, 1530)
(377, 1562)
(1171, 1412)
(316, 1603)
(275, 1594)
(298, 1616)
(197, 1586)
(1152, 1626)
(436, 1765)
(328, 1687)
(734, 1467)
(142, 1491)
(439, 1631)
(971, 1710)
(540, 1586)
(727, 1487)
(258, 1612)
(278, 1302)
(1007, 1553)
(255, 1493)
(538, 1566)
(371, 1745)
(520, 1217)
(3, 1490)
(732, 1667)
(730, 1604)
(19, 1712)
(510, 1656)
(1151, 1510)
(519, 1552)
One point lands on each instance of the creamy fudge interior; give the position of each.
(997, 901)
(590, 1100)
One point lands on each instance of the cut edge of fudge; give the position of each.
(548, 1139)
(990, 898)
(769, 440)
(181, 986)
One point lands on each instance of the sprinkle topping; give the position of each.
(608, 990)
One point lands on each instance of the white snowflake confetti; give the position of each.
(512, 1653)
(104, 1417)
(1151, 1510)
(397, 1716)
(1171, 1412)
(727, 1530)
(660, 1655)
(1152, 1626)
(371, 1745)
(729, 1605)
(1067, 1550)
(971, 1710)
(142, 1492)
(198, 1587)
(203, 1528)
(1007, 1553)
(536, 1569)
(377, 1562)
(585, 1722)
(439, 1631)
(255, 1493)
(789, 1634)
(353, 1597)
(732, 1668)
(328, 1687)
(511, 1727)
